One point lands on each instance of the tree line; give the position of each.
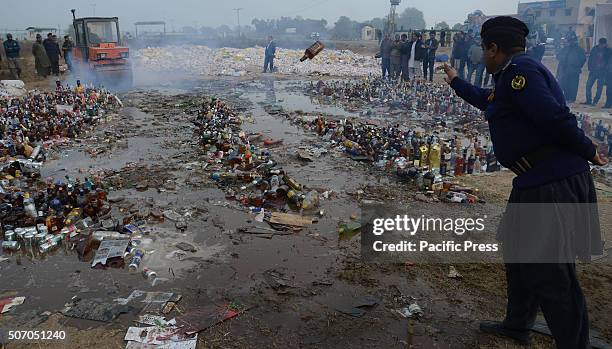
(344, 28)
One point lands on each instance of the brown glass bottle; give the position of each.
(312, 51)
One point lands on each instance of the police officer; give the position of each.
(536, 136)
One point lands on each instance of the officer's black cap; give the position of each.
(505, 31)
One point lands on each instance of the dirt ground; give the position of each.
(151, 143)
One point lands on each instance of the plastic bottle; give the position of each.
(434, 156)
(274, 182)
(460, 162)
(292, 183)
(311, 200)
(30, 208)
(470, 164)
(477, 165)
(294, 198)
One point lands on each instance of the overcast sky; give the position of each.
(177, 13)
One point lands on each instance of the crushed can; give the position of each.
(149, 274)
(9, 235)
(40, 238)
(136, 260)
(10, 245)
(29, 238)
(41, 228)
(19, 233)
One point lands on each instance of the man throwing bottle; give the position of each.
(537, 137)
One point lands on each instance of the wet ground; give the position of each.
(150, 157)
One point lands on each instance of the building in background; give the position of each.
(33, 31)
(368, 33)
(561, 15)
(603, 22)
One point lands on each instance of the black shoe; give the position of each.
(587, 103)
(494, 327)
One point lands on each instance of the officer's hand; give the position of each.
(451, 73)
(598, 160)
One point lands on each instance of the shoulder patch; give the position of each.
(518, 83)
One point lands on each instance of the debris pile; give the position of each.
(243, 166)
(39, 214)
(203, 60)
(432, 160)
(418, 97)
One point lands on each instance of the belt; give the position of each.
(526, 162)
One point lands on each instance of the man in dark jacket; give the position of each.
(405, 49)
(269, 55)
(454, 59)
(608, 104)
(385, 54)
(53, 52)
(598, 61)
(430, 47)
(396, 58)
(67, 50)
(11, 49)
(571, 60)
(417, 54)
(460, 49)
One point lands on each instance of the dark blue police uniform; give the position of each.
(536, 136)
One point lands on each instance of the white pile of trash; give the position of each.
(12, 88)
(203, 60)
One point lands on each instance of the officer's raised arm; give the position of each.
(476, 96)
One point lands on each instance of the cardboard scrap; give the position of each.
(356, 308)
(202, 318)
(7, 304)
(453, 273)
(158, 337)
(109, 249)
(189, 344)
(96, 310)
(155, 320)
(151, 302)
(303, 155)
(290, 219)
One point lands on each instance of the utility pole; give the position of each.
(238, 15)
(94, 9)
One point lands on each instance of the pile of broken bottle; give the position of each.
(39, 215)
(432, 161)
(246, 171)
(415, 95)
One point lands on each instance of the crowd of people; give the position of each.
(47, 54)
(408, 59)
(414, 59)
(572, 59)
